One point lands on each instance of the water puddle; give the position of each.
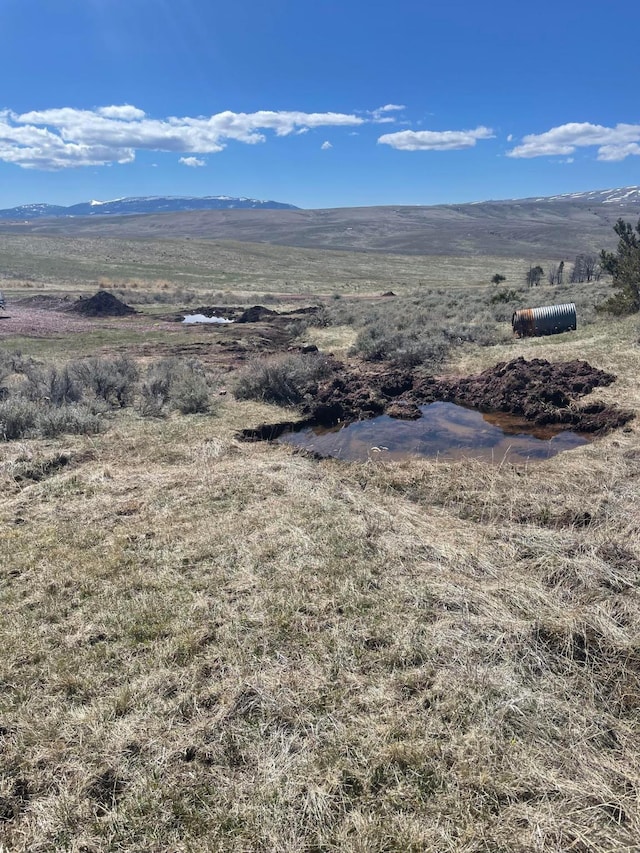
(190, 319)
(445, 430)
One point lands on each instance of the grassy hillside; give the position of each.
(232, 269)
(563, 227)
(209, 645)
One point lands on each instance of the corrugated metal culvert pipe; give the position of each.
(549, 320)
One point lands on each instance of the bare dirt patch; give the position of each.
(47, 316)
(39, 322)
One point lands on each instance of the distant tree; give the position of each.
(534, 276)
(624, 266)
(498, 279)
(556, 273)
(585, 268)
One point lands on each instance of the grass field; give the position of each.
(208, 645)
(73, 263)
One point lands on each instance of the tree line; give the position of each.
(585, 268)
(623, 266)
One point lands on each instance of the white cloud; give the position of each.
(194, 162)
(435, 140)
(510, 137)
(126, 112)
(379, 115)
(326, 146)
(613, 143)
(618, 152)
(66, 137)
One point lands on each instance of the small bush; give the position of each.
(76, 419)
(283, 380)
(112, 380)
(504, 296)
(58, 387)
(172, 382)
(619, 305)
(155, 390)
(14, 362)
(18, 418)
(190, 393)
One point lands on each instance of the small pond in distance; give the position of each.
(445, 430)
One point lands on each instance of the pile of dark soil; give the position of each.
(103, 304)
(255, 314)
(542, 392)
(258, 312)
(539, 391)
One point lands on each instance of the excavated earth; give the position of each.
(540, 391)
(102, 304)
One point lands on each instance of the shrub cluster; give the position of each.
(284, 380)
(505, 296)
(48, 400)
(422, 327)
(175, 384)
(419, 328)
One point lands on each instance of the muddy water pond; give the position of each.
(445, 431)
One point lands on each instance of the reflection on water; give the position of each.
(191, 319)
(445, 430)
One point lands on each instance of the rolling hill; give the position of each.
(560, 226)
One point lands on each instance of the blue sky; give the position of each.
(320, 104)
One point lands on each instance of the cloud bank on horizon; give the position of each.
(66, 137)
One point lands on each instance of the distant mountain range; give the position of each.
(130, 206)
(621, 196)
(557, 227)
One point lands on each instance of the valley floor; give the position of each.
(208, 645)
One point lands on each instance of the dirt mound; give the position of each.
(214, 311)
(539, 391)
(255, 314)
(103, 304)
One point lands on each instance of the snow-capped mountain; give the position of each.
(32, 211)
(151, 204)
(620, 196)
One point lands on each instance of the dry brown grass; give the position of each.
(214, 646)
(161, 266)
